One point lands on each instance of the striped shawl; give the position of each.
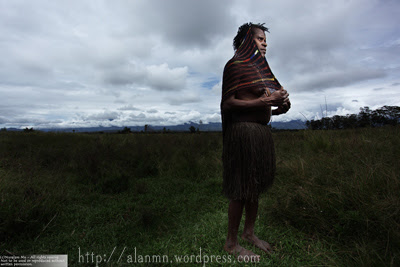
(246, 69)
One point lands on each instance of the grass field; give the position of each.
(105, 197)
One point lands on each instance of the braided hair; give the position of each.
(243, 30)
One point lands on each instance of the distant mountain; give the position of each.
(13, 129)
(289, 125)
(208, 127)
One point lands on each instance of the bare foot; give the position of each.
(241, 253)
(261, 244)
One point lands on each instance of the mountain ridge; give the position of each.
(203, 127)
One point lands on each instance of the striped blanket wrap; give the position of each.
(246, 69)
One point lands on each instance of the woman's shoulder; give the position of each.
(235, 65)
(230, 64)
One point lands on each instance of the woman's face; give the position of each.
(260, 39)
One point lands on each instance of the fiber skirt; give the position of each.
(248, 160)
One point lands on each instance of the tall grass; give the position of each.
(335, 200)
(40, 172)
(342, 186)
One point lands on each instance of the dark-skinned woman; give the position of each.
(249, 91)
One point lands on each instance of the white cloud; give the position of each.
(217, 89)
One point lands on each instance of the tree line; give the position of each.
(386, 115)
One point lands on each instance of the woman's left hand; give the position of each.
(282, 109)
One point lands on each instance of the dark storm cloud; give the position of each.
(185, 24)
(106, 115)
(339, 78)
(185, 99)
(128, 107)
(159, 77)
(3, 120)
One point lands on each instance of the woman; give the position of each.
(249, 90)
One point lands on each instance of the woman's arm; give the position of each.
(233, 104)
(278, 98)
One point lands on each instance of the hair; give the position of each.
(243, 30)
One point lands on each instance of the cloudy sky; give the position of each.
(82, 63)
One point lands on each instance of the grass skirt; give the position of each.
(248, 160)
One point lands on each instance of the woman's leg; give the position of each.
(234, 216)
(232, 246)
(251, 208)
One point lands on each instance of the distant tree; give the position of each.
(337, 122)
(314, 125)
(28, 130)
(3, 129)
(192, 129)
(326, 123)
(125, 130)
(389, 114)
(146, 128)
(364, 117)
(386, 115)
(350, 121)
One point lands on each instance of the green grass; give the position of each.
(335, 201)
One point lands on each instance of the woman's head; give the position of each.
(256, 30)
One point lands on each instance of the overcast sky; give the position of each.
(88, 63)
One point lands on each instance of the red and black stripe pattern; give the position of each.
(245, 70)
